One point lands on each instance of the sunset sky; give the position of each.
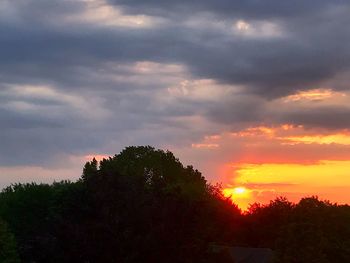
(255, 94)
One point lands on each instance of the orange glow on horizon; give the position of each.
(322, 173)
(281, 160)
(263, 182)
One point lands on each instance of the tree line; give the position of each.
(143, 205)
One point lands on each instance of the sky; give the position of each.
(253, 93)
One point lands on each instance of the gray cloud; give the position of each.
(105, 100)
(249, 8)
(302, 57)
(334, 117)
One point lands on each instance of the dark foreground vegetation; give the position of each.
(143, 205)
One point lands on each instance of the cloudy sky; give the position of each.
(253, 93)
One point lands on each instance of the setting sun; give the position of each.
(239, 195)
(237, 191)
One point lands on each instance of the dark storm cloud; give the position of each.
(11, 120)
(248, 8)
(330, 117)
(238, 111)
(36, 146)
(292, 45)
(270, 66)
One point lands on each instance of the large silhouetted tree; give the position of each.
(145, 205)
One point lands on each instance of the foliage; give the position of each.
(310, 231)
(8, 248)
(147, 204)
(143, 205)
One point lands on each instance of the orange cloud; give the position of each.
(256, 131)
(313, 95)
(337, 138)
(291, 134)
(205, 145)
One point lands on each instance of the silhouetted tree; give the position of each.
(29, 209)
(143, 205)
(146, 206)
(8, 248)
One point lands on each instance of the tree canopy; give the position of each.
(8, 247)
(144, 205)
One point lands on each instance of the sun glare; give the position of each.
(239, 195)
(239, 190)
(235, 192)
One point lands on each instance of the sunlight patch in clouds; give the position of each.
(201, 89)
(101, 13)
(338, 138)
(295, 134)
(257, 29)
(150, 67)
(241, 25)
(205, 145)
(314, 95)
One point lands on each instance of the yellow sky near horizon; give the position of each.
(262, 182)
